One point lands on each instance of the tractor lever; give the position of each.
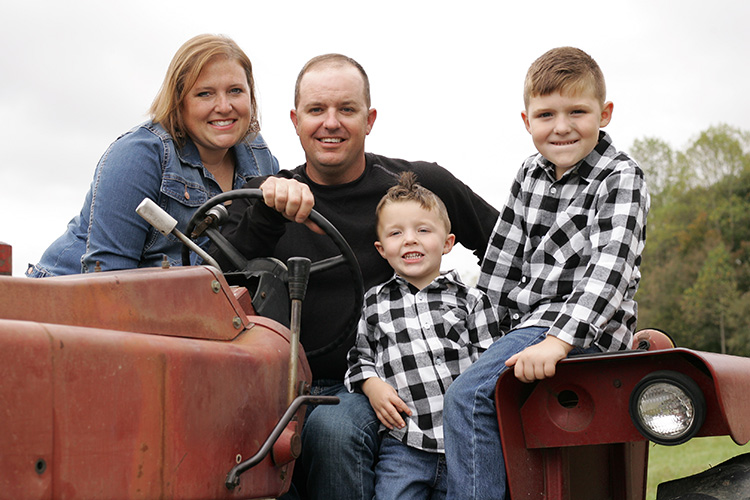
(298, 269)
(166, 224)
(233, 478)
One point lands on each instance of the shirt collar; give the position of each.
(588, 168)
(441, 282)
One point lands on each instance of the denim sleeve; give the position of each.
(129, 171)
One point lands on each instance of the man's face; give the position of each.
(565, 127)
(332, 120)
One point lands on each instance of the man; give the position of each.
(332, 117)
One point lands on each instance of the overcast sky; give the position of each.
(446, 80)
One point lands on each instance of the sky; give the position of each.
(446, 78)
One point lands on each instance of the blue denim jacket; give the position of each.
(143, 162)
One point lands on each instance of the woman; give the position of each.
(202, 139)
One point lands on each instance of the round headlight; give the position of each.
(667, 407)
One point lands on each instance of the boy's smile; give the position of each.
(413, 240)
(565, 127)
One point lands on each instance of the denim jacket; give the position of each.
(144, 162)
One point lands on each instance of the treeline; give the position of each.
(696, 265)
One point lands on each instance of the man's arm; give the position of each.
(254, 228)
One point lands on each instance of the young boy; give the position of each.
(562, 264)
(419, 330)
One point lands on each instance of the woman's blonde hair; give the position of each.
(182, 73)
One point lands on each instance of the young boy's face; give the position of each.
(565, 127)
(413, 240)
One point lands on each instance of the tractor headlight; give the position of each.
(667, 407)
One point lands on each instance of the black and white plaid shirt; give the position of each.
(419, 341)
(565, 254)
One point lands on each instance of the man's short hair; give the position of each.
(332, 60)
(408, 189)
(564, 69)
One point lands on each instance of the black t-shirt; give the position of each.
(257, 231)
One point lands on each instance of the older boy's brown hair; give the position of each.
(408, 189)
(564, 69)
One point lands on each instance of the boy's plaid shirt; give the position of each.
(419, 342)
(565, 254)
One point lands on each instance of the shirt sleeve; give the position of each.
(483, 325)
(362, 356)
(617, 238)
(503, 262)
(126, 174)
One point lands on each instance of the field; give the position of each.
(697, 455)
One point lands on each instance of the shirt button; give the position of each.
(427, 327)
(516, 316)
(523, 279)
(553, 190)
(439, 361)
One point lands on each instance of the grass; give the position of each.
(672, 462)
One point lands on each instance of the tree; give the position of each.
(708, 302)
(696, 265)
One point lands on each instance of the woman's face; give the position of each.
(216, 111)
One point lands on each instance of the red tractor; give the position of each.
(189, 383)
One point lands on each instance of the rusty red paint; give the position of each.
(6, 259)
(118, 414)
(589, 450)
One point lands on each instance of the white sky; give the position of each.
(446, 80)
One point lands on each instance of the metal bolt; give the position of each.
(215, 286)
(617, 383)
(238, 458)
(237, 322)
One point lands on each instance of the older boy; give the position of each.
(419, 330)
(562, 263)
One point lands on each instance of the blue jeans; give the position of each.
(406, 473)
(340, 444)
(473, 451)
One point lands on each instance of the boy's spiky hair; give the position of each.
(408, 189)
(564, 69)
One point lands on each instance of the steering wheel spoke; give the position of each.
(261, 270)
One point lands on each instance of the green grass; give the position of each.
(671, 462)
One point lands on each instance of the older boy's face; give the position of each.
(565, 127)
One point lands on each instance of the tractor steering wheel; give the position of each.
(272, 269)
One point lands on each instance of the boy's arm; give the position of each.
(617, 237)
(539, 361)
(361, 357)
(503, 262)
(482, 325)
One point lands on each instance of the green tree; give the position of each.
(709, 303)
(696, 265)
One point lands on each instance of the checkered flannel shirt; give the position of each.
(565, 254)
(419, 342)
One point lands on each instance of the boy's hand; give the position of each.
(538, 361)
(386, 403)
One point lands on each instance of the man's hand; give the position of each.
(538, 361)
(386, 403)
(291, 198)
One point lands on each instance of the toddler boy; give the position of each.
(563, 260)
(419, 330)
